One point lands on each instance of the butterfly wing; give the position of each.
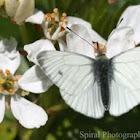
(87, 102)
(125, 86)
(74, 75)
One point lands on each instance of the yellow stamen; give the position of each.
(55, 10)
(16, 79)
(11, 90)
(50, 30)
(62, 29)
(12, 83)
(1, 71)
(2, 81)
(62, 19)
(47, 15)
(53, 15)
(66, 21)
(60, 24)
(49, 19)
(64, 14)
(7, 72)
(1, 89)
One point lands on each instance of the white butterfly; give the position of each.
(93, 85)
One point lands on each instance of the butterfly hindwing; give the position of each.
(88, 102)
(125, 86)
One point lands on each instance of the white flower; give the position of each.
(53, 26)
(124, 37)
(93, 34)
(33, 50)
(38, 46)
(55, 32)
(131, 18)
(18, 10)
(27, 113)
(58, 34)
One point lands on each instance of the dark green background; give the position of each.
(64, 123)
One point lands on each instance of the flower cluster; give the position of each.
(124, 37)
(12, 87)
(54, 26)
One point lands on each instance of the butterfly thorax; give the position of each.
(100, 55)
(103, 75)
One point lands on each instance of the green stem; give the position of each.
(24, 34)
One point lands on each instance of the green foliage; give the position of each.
(64, 123)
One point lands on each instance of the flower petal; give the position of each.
(78, 45)
(120, 41)
(36, 18)
(8, 47)
(2, 46)
(11, 7)
(2, 2)
(27, 113)
(131, 18)
(24, 10)
(38, 46)
(62, 45)
(95, 37)
(76, 20)
(93, 34)
(34, 80)
(2, 107)
(9, 57)
(6, 63)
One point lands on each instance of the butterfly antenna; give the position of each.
(113, 31)
(81, 37)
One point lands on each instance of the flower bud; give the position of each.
(1, 3)
(18, 10)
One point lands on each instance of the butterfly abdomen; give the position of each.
(103, 73)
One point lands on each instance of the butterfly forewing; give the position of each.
(74, 75)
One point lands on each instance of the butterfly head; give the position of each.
(99, 49)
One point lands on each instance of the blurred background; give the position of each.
(64, 123)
